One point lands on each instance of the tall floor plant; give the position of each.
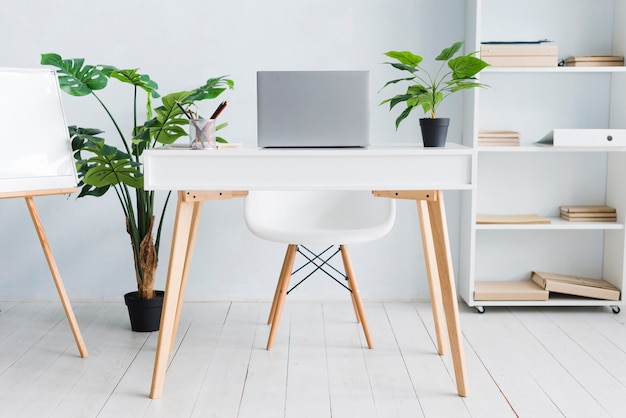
(115, 163)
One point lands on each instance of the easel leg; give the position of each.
(69, 313)
(437, 214)
(178, 257)
(433, 276)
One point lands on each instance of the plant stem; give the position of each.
(119, 131)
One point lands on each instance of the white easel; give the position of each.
(36, 157)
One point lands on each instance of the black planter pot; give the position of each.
(145, 314)
(434, 131)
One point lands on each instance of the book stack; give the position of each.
(490, 138)
(576, 286)
(595, 61)
(519, 54)
(588, 213)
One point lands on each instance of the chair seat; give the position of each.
(318, 217)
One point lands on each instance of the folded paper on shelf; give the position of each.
(509, 290)
(512, 219)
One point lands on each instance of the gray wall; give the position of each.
(181, 45)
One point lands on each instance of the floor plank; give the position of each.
(308, 391)
(521, 362)
(221, 391)
(435, 387)
(608, 396)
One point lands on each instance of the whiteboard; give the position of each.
(35, 148)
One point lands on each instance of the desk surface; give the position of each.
(408, 167)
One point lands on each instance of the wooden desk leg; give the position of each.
(178, 256)
(437, 214)
(56, 276)
(432, 272)
(191, 243)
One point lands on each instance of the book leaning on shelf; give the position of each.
(576, 286)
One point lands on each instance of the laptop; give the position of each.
(313, 109)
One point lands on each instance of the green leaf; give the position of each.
(405, 57)
(211, 89)
(466, 66)
(403, 116)
(463, 85)
(166, 128)
(142, 81)
(403, 67)
(398, 99)
(109, 172)
(74, 78)
(397, 81)
(449, 52)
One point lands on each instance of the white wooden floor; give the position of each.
(523, 362)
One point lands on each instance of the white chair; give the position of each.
(300, 218)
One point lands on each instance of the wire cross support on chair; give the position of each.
(314, 259)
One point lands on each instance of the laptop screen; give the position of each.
(313, 108)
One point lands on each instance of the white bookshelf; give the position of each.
(538, 179)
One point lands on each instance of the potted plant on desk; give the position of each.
(102, 166)
(427, 90)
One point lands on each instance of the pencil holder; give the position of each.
(202, 133)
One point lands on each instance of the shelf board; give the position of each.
(616, 69)
(554, 299)
(545, 148)
(560, 301)
(557, 224)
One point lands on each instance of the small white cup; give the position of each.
(202, 134)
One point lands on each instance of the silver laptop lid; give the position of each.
(313, 108)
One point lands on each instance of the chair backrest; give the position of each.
(318, 217)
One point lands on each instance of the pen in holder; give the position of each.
(202, 133)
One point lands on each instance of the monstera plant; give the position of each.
(114, 162)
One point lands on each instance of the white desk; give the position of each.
(410, 172)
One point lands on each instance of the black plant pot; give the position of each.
(145, 314)
(434, 131)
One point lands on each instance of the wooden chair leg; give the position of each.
(283, 286)
(355, 294)
(284, 272)
(354, 305)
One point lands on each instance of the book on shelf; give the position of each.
(571, 209)
(595, 61)
(541, 53)
(511, 219)
(498, 137)
(576, 286)
(509, 290)
(588, 219)
(580, 213)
